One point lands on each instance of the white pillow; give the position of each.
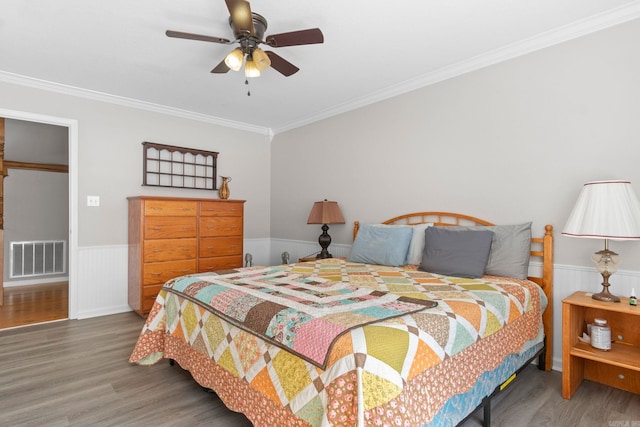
(416, 248)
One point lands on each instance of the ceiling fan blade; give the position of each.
(190, 36)
(221, 68)
(296, 38)
(281, 65)
(240, 12)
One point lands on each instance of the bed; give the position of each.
(350, 342)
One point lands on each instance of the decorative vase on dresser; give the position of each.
(171, 237)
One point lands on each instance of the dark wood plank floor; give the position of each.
(76, 373)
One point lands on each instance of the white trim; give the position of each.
(568, 32)
(72, 126)
(128, 102)
(31, 282)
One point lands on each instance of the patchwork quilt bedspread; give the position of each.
(397, 366)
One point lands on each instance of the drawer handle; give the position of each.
(157, 250)
(186, 249)
(186, 227)
(186, 209)
(621, 376)
(210, 247)
(157, 228)
(155, 208)
(186, 270)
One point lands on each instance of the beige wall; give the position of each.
(509, 143)
(110, 159)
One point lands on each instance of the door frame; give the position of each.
(72, 126)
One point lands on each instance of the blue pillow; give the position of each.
(460, 253)
(382, 244)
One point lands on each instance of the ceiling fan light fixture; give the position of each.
(251, 69)
(234, 59)
(261, 59)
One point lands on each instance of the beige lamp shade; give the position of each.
(325, 212)
(605, 210)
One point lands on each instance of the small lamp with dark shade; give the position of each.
(608, 210)
(324, 213)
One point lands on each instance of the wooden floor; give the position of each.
(26, 305)
(76, 373)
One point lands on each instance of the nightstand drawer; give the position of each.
(611, 375)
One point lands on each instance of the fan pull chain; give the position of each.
(246, 81)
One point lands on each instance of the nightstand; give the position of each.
(308, 259)
(618, 367)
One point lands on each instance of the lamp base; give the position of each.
(325, 241)
(605, 296)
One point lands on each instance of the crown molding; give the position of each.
(568, 32)
(128, 102)
(577, 29)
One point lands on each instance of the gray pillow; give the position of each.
(510, 249)
(460, 253)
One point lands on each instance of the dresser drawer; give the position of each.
(169, 249)
(220, 226)
(160, 272)
(221, 209)
(149, 294)
(170, 208)
(168, 227)
(219, 263)
(219, 246)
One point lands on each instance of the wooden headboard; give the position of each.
(541, 249)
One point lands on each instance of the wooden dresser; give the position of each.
(170, 237)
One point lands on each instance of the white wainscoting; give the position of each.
(102, 278)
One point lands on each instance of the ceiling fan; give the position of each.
(248, 29)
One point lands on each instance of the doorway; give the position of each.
(56, 290)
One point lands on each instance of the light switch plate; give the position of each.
(93, 200)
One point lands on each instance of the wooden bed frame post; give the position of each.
(547, 279)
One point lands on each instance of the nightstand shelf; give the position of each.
(618, 367)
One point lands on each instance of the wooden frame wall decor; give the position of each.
(171, 166)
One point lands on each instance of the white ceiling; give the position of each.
(117, 50)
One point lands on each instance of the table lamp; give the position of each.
(324, 213)
(608, 210)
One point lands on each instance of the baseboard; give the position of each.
(103, 311)
(27, 282)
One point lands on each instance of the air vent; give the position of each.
(38, 258)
